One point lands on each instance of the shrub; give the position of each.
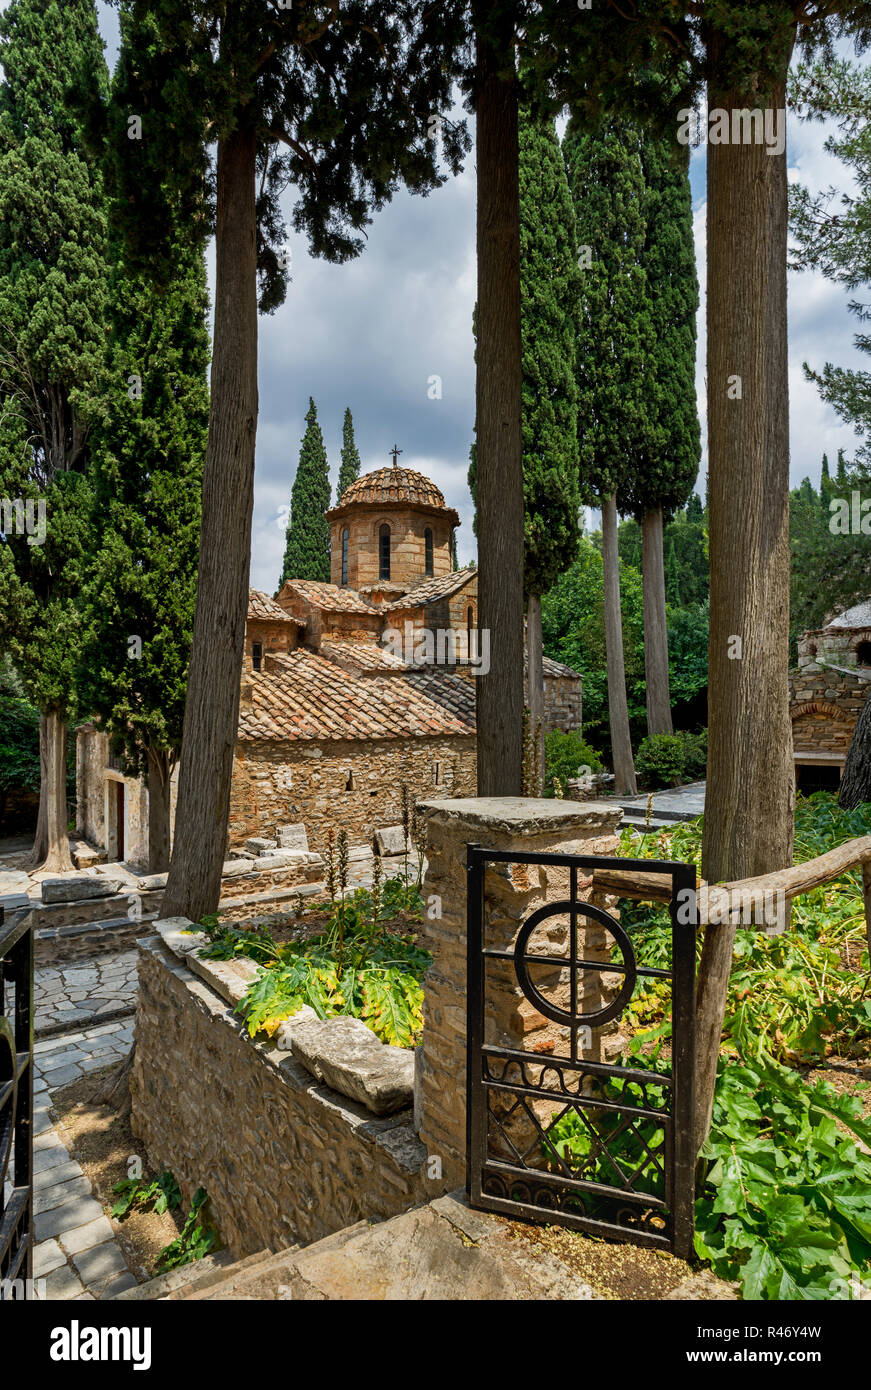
(660, 759)
(564, 754)
(695, 750)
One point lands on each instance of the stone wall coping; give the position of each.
(524, 815)
(229, 982)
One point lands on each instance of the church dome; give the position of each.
(393, 486)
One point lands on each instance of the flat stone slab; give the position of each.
(73, 888)
(180, 935)
(151, 882)
(286, 859)
(13, 881)
(391, 840)
(292, 837)
(525, 815)
(228, 978)
(257, 844)
(346, 1055)
(232, 868)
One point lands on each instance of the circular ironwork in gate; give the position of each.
(8, 1095)
(629, 967)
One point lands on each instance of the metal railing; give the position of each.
(16, 1108)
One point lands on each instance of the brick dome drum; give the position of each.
(393, 487)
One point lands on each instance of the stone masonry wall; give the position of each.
(824, 706)
(512, 892)
(283, 1158)
(407, 545)
(286, 783)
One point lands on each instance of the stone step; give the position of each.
(181, 1283)
(262, 1276)
(60, 945)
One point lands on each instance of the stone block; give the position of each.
(152, 882)
(292, 837)
(229, 978)
(286, 1030)
(346, 1054)
(256, 845)
(180, 935)
(391, 840)
(73, 888)
(232, 868)
(86, 856)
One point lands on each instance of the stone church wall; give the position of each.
(350, 784)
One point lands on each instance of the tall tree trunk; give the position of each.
(212, 707)
(535, 685)
(655, 625)
(499, 407)
(159, 774)
(618, 710)
(856, 781)
(751, 793)
(51, 845)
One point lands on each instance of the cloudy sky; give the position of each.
(370, 334)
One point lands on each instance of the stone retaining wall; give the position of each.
(283, 1158)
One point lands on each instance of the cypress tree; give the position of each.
(615, 331)
(349, 468)
(52, 298)
(548, 307)
(148, 445)
(665, 471)
(307, 552)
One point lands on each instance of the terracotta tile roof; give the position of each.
(393, 485)
(363, 657)
(555, 668)
(264, 608)
(432, 589)
(304, 696)
(330, 597)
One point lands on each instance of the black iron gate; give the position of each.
(16, 1108)
(554, 1135)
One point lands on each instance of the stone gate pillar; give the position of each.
(511, 893)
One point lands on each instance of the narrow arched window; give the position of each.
(384, 551)
(345, 556)
(427, 541)
(257, 655)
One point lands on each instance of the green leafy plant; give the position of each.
(564, 754)
(227, 942)
(786, 1203)
(660, 759)
(195, 1241)
(799, 997)
(380, 982)
(355, 966)
(160, 1194)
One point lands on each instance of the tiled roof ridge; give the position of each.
(262, 606)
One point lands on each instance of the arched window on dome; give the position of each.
(427, 541)
(344, 557)
(384, 551)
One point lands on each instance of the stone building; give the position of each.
(349, 689)
(826, 695)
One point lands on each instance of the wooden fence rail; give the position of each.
(739, 903)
